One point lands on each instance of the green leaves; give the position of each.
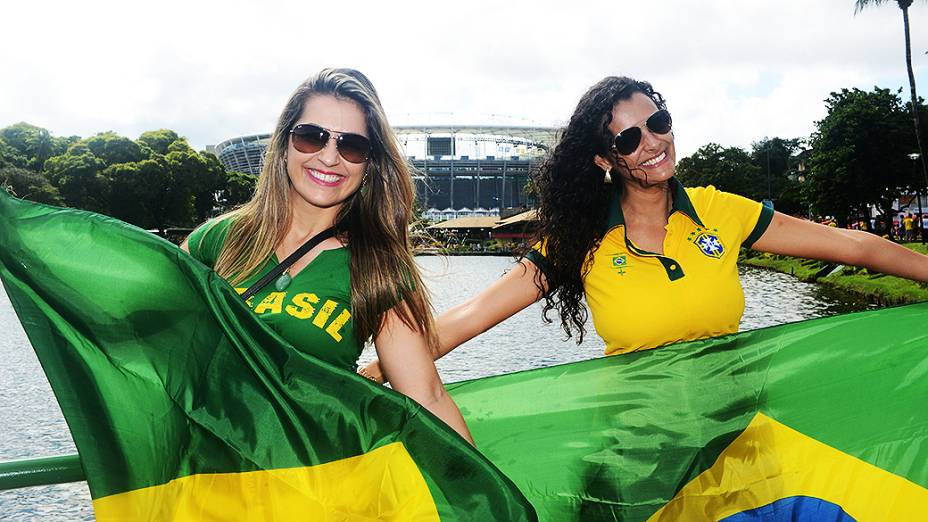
(859, 152)
(154, 182)
(160, 141)
(727, 168)
(24, 183)
(77, 175)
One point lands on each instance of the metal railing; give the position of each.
(40, 472)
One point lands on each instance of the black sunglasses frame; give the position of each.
(354, 148)
(629, 139)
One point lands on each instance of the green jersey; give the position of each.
(313, 312)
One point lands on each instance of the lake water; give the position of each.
(31, 425)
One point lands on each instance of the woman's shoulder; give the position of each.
(711, 197)
(717, 208)
(704, 192)
(206, 241)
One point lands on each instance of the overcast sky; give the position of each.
(732, 71)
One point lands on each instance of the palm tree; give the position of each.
(904, 6)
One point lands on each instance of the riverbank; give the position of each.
(879, 288)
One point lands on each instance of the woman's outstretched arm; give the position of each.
(791, 236)
(504, 298)
(408, 361)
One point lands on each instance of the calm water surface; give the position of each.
(31, 424)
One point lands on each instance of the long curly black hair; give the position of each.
(573, 199)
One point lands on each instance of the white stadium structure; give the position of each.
(459, 170)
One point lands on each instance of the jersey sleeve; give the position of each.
(754, 217)
(206, 241)
(537, 256)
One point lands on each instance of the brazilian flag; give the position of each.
(823, 420)
(185, 406)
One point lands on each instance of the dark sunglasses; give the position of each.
(309, 138)
(628, 140)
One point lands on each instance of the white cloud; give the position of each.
(733, 72)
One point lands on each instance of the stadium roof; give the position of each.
(546, 136)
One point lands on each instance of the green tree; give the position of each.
(208, 186)
(858, 153)
(112, 148)
(155, 182)
(904, 5)
(77, 175)
(189, 172)
(237, 188)
(730, 169)
(41, 146)
(29, 185)
(916, 177)
(776, 159)
(78, 172)
(32, 143)
(160, 140)
(152, 193)
(157, 192)
(10, 156)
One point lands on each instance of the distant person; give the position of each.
(657, 262)
(335, 164)
(908, 224)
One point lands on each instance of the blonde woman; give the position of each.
(334, 170)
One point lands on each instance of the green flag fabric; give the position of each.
(823, 420)
(184, 406)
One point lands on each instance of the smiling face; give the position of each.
(324, 179)
(653, 161)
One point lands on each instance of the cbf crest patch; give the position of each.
(620, 263)
(708, 242)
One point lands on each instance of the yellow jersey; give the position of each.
(640, 299)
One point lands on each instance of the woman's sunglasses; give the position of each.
(309, 138)
(628, 140)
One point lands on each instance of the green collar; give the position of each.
(680, 203)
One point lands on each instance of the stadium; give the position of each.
(459, 170)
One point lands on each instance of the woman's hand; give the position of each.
(795, 237)
(506, 297)
(407, 360)
(373, 372)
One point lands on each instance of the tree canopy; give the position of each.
(859, 153)
(727, 168)
(155, 182)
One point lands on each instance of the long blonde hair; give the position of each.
(375, 219)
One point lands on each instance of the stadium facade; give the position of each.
(244, 153)
(459, 170)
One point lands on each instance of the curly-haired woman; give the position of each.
(656, 261)
(334, 163)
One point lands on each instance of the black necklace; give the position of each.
(284, 267)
